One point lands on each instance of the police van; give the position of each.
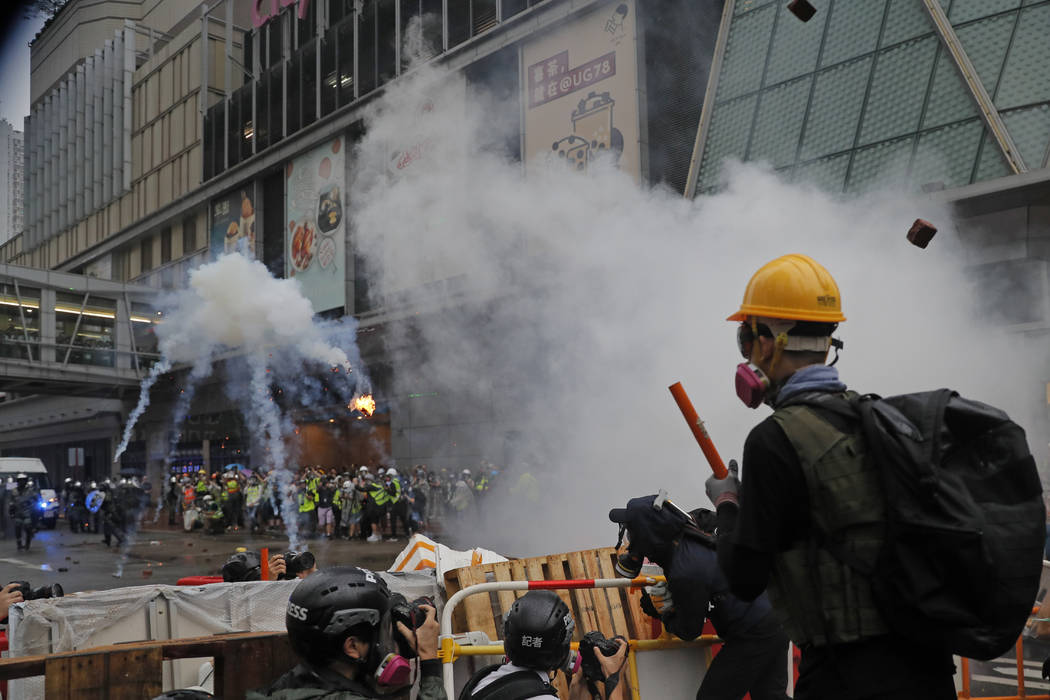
(32, 467)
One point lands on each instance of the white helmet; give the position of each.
(363, 468)
(348, 485)
(391, 472)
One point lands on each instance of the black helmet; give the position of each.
(330, 605)
(242, 566)
(537, 631)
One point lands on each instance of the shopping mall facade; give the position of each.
(162, 132)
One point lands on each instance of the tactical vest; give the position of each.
(820, 599)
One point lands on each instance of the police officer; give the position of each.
(339, 625)
(171, 499)
(23, 510)
(114, 516)
(77, 512)
(753, 656)
(537, 633)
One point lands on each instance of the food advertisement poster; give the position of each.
(581, 92)
(233, 222)
(315, 234)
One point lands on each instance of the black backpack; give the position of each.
(514, 686)
(965, 519)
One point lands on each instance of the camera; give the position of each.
(412, 616)
(592, 642)
(296, 563)
(53, 590)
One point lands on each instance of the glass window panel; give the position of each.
(779, 122)
(233, 138)
(902, 76)
(14, 309)
(309, 85)
(262, 130)
(966, 10)
(346, 63)
(89, 341)
(484, 15)
(458, 22)
(247, 128)
(1026, 77)
(795, 47)
(1030, 129)
(366, 50)
(947, 155)
(991, 163)
(743, 6)
(852, 30)
(276, 104)
(833, 114)
(513, 7)
(730, 127)
(294, 66)
(905, 20)
(745, 54)
(306, 27)
(386, 46)
(950, 100)
(828, 174)
(985, 43)
(143, 321)
(330, 72)
(883, 164)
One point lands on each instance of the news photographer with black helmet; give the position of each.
(537, 634)
(340, 625)
(753, 658)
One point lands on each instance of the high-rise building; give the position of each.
(11, 190)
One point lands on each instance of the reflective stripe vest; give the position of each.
(307, 500)
(232, 486)
(396, 495)
(378, 494)
(845, 497)
(189, 495)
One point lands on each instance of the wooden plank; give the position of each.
(617, 596)
(517, 568)
(501, 570)
(56, 678)
(88, 677)
(478, 607)
(600, 595)
(586, 620)
(534, 569)
(641, 629)
(135, 674)
(556, 572)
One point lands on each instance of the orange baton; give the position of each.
(699, 431)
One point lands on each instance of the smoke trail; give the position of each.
(162, 366)
(266, 430)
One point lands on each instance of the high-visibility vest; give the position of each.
(189, 495)
(307, 500)
(232, 486)
(396, 495)
(253, 494)
(379, 494)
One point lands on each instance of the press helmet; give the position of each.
(330, 605)
(537, 631)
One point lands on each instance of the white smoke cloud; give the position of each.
(584, 297)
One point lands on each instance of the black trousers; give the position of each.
(24, 530)
(752, 662)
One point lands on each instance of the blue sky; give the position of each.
(14, 64)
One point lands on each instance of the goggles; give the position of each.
(745, 337)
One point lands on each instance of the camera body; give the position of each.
(53, 590)
(591, 643)
(296, 563)
(411, 615)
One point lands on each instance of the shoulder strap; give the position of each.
(514, 686)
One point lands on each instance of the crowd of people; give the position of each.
(363, 502)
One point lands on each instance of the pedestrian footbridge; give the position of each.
(62, 333)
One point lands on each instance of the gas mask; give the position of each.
(394, 672)
(752, 384)
(391, 672)
(628, 564)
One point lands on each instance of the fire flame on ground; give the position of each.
(366, 404)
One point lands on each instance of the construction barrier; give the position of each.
(450, 650)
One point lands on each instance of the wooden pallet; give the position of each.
(133, 671)
(611, 610)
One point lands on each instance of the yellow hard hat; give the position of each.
(794, 287)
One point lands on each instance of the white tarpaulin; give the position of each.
(158, 612)
(422, 553)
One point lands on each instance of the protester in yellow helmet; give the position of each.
(805, 465)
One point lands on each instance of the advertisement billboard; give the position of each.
(581, 92)
(315, 237)
(232, 222)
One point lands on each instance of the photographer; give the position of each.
(537, 632)
(302, 565)
(9, 595)
(340, 626)
(753, 655)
